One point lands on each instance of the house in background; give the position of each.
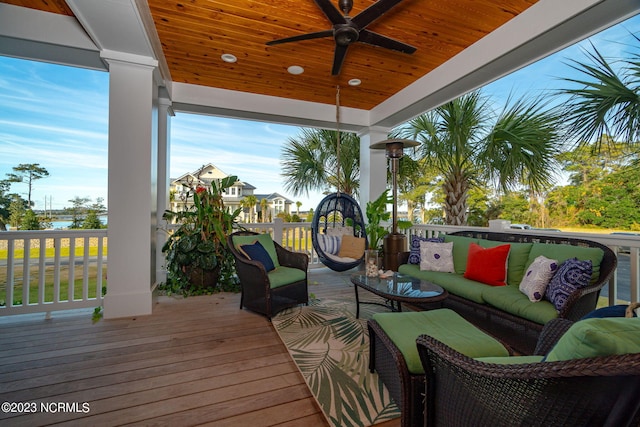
(276, 204)
(180, 198)
(179, 188)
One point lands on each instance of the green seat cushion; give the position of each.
(511, 360)
(518, 259)
(444, 325)
(265, 240)
(460, 251)
(285, 276)
(511, 300)
(453, 283)
(561, 253)
(597, 337)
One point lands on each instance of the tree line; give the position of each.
(476, 162)
(17, 212)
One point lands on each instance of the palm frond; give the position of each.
(604, 102)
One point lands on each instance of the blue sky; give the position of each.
(57, 116)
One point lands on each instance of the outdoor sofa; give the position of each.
(499, 320)
(505, 311)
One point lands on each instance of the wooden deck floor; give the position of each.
(194, 361)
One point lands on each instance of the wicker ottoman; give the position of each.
(394, 355)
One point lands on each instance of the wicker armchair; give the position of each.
(461, 391)
(258, 292)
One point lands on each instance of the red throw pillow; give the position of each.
(487, 265)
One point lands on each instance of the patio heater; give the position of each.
(394, 243)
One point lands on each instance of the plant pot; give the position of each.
(203, 278)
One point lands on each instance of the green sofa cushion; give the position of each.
(285, 276)
(511, 300)
(511, 360)
(265, 240)
(562, 253)
(460, 251)
(453, 283)
(444, 325)
(597, 337)
(518, 259)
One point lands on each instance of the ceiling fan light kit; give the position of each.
(347, 30)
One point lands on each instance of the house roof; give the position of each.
(272, 196)
(461, 45)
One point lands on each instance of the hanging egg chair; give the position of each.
(338, 215)
(338, 230)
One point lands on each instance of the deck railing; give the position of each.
(45, 271)
(50, 270)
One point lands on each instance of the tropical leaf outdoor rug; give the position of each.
(331, 349)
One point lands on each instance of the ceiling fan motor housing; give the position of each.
(345, 34)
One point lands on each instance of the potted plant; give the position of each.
(198, 260)
(376, 212)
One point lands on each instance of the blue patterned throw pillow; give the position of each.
(572, 275)
(414, 247)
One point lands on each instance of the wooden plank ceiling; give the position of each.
(195, 33)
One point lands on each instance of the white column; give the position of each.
(132, 173)
(164, 147)
(373, 166)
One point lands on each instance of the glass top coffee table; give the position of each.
(397, 289)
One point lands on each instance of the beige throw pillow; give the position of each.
(351, 247)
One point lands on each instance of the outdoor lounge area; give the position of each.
(204, 361)
(161, 360)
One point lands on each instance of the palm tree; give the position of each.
(607, 103)
(250, 202)
(263, 208)
(467, 144)
(310, 162)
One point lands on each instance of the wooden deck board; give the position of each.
(194, 361)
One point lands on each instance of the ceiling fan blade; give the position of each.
(376, 39)
(373, 12)
(309, 36)
(338, 59)
(331, 12)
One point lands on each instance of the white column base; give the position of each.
(127, 305)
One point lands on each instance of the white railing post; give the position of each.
(278, 230)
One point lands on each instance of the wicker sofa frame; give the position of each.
(256, 292)
(461, 391)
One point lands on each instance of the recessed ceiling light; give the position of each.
(355, 82)
(295, 69)
(227, 57)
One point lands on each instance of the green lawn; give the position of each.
(34, 253)
(34, 278)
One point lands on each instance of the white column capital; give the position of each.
(111, 56)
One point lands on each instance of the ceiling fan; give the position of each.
(347, 30)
